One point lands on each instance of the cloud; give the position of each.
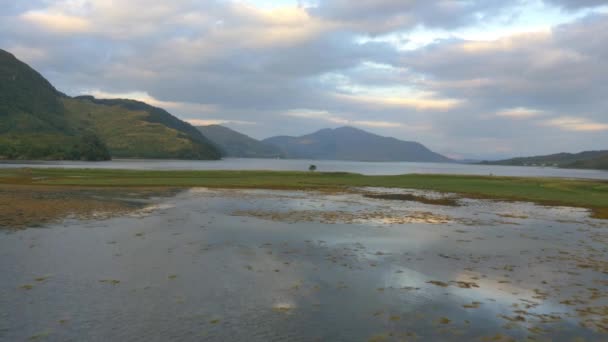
(57, 22)
(520, 113)
(334, 62)
(207, 122)
(557, 70)
(547, 74)
(400, 102)
(576, 124)
(180, 107)
(378, 124)
(381, 16)
(29, 53)
(576, 4)
(334, 119)
(314, 114)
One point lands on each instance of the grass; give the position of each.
(591, 194)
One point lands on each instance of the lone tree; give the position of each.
(312, 168)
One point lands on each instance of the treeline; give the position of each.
(53, 147)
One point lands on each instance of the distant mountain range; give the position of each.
(238, 145)
(583, 160)
(348, 143)
(39, 122)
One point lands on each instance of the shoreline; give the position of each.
(365, 168)
(588, 194)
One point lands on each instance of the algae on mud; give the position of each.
(410, 197)
(27, 206)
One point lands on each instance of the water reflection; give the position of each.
(201, 265)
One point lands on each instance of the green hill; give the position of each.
(39, 122)
(238, 145)
(599, 163)
(33, 124)
(583, 160)
(133, 129)
(27, 100)
(349, 143)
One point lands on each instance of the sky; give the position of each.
(478, 79)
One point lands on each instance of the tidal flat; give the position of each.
(368, 264)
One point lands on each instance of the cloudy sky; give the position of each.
(476, 78)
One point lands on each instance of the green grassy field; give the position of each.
(591, 194)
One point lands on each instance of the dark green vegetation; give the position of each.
(348, 143)
(600, 163)
(33, 122)
(583, 160)
(590, 194)
(410, 197)
(238, 145)
(39, 122)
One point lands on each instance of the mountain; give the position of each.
(583, 160)
(33, 124)
(238, 145)
(133, 129)
(348, 143)
(39, 122)
(599, 163)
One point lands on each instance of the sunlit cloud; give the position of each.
(506, 43)
(421, 104)
(181, 107)
(520, 113)
(328, 117)
(576, 124)
(57, 22)
(207, 122)
(316, 114)
(30, 54)
(378, 124)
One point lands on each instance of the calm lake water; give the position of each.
(367, 168)
(230, 265)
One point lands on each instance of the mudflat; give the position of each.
(367, 263)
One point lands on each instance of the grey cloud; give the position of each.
(563, 71)
(252, 67)
(577, 4)
(380, 16)
(12, 7)
(332, 52)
